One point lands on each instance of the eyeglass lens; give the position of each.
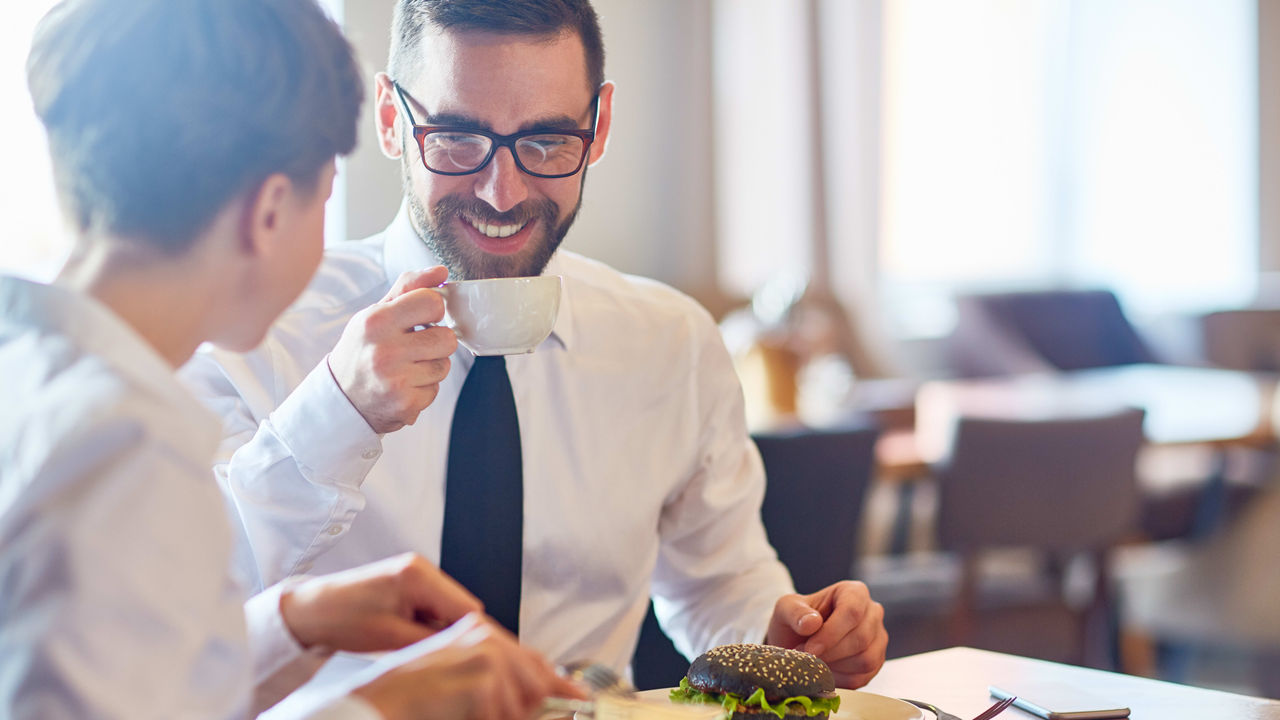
(545, 154)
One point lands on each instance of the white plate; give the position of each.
(854, 704)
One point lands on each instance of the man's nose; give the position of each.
(501, 183)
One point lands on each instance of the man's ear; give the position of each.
(386, 111)
(264, 216)
(603, 123)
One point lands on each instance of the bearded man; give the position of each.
(564, 487)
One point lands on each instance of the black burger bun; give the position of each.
(741, 668)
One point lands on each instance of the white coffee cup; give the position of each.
(502, 316)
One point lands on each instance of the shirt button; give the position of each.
(334, 530)
(369, 454)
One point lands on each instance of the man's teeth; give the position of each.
(497, 231)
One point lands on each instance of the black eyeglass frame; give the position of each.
(496, 141)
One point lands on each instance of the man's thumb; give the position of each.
(416, 279)
(402, 633)
(793, 620)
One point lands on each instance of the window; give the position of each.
(979, 145)
(35, 239)
(763, 141)
(1050, 142)
(35, 242)
(335, 210)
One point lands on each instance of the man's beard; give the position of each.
(464, 260)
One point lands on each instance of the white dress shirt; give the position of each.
(639, 473)
(116, 593)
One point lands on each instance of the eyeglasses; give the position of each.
(450, 150)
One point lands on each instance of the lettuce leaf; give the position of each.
(687, 693)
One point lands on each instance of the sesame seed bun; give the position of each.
(781, 673)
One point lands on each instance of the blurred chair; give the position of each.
(814, 493)
(1030, 331)
(1183, 602)
(1186, 492)
(1064, 488)
(816, 474)
(1178, 502)
(1243, 339)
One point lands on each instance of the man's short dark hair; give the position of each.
(414, 18)
(161, 112)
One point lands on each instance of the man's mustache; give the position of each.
(482, 211)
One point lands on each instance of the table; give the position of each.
(1185, 405)
(956, 680)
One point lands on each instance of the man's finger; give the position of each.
(438, 596)
(841, 622)
(854, 641)
(415, 279)
(850, 608)
(423, 373)
(432, 343)
(794, 619)
(415, 306)
(867, 662)
(398, 632)
(532, 677)
(564, 687)
(857, 671)
(853, 682)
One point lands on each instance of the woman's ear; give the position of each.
(264, 219)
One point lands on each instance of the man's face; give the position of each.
(500, 221)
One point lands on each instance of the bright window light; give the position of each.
(1068, 143)
(35, 240)
(335, 210)
(1164, 185)
(762, 143)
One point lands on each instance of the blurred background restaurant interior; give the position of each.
(876, 197)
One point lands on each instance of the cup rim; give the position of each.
(526, 278)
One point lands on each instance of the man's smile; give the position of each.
(495, 230)
(498, 238)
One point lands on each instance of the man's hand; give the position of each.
(389, 372)
(483, 674)
(840, 624)
(380, 606)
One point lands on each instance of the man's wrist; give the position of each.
(326, 435)
(328, 363)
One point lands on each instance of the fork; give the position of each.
(987, 714)
(600, 678)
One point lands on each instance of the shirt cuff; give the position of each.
(342, 446)
(280, 664)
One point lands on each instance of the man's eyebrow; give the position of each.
(458, 120)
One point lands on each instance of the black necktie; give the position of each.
(482, 540)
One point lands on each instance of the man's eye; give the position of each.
(456, 138)
(548, 142)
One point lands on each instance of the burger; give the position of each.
(753, 681)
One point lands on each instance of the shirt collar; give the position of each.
(94, 328)
(403, 250)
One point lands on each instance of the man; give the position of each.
(349, 435)
(193, 145)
